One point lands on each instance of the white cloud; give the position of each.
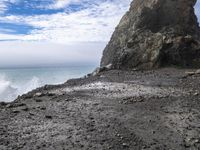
(58, 4)
(10, 37)
(3, 5)
(95, 23)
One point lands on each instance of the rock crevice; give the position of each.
(155, 33)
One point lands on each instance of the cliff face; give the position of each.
(155, 33)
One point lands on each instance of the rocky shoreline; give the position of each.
(114, 109)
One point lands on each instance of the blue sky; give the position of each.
(60, 21)
(27, 27)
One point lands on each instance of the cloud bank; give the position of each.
(24, 54)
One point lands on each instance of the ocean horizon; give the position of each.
(15, 81)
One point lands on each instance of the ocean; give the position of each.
(18, 81)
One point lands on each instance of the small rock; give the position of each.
(197, 71)
(48, 116)
(32, 114)
(118, 135)
(187, 145)
(51, 94)
(38, 100)
(196, 141)
(43, 108)
(125, 145)
(190, 73)
(25, 109)
(91, 118)
(16, 111)
(9, 106)
(38, 94)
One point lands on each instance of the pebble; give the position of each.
(190, 73)
(32, 114)
(125, 145)
(43, 108)
(16, 111)
(196, 141)
(186, 145)
(38, 94)
(197, 71)
(51, 94)
(25, 109)
(38, 100)
(48, 116)
(118, 135)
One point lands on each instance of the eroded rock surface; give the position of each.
(155, 33)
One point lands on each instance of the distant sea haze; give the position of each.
(18, 81)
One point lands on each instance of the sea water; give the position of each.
(18, 81)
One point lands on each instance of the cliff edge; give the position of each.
(155, 33)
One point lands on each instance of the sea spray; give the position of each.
(30, 85)
(9, 90)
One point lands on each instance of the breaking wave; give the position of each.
(9, 90)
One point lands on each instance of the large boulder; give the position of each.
(155, 33)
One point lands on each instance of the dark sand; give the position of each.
(117, 110)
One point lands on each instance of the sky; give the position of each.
(42, 32)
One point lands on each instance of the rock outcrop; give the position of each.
(155, 33)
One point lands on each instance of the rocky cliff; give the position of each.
(155, 33)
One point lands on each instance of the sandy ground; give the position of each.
(117, 110)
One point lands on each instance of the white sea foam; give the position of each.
(30, 85)
(9, 90)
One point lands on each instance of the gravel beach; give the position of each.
(133, 110)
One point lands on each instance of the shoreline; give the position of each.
(155, 109)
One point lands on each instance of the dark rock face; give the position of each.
(155, 33)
